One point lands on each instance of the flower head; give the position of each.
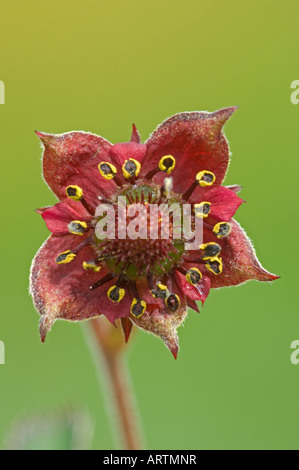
(134, 273)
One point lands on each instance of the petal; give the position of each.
(164, 324)
(240, 263)
(62, 291)
(224, 202)
(61, 214)
(193, 292)
(119, 153)
(196, 141)
(72, 159)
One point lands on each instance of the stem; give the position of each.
(110, 344)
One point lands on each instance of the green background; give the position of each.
(99, 66)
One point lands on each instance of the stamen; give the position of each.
(215, 265)
(203, 178)
(222, 229)
(202, 209)
(172, 302)
(82, 245)
(77, 227)
(181, 269)
(150, 281)
(116, 294)
(76, 193)
(102, 281)
(167, 164)
(210, 250)
(107, 170)
(92, 265)
(131, 168)
(65, 257)
(160, 292)
(138, 307)
(193, 276)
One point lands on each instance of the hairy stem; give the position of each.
(110, 346)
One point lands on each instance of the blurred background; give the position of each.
(99, 66)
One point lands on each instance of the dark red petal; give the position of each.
(72, 159)
(160, 322)
(164, 325)
(119, 153)
(62, 291)
(59, 216)
(224, 202)
(240, 263)
(196, 141)
(193, 292)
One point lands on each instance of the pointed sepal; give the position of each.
(164, 325)
(127, 327)
(135, 137)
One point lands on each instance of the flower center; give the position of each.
(143, 240)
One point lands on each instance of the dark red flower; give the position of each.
(143, 281)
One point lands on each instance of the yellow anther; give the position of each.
(215, 265)
(131, 168)
(202, 209)
(116, 294)
(205, 178)
(77, 227)
(222, 229)
(173, 302)
(193, 276)
(161, 291)
(161, 286)
(65, 257)
(138, 308)
(91, 265)
(167, 164)
(107, 170)
(210, 250)
(74, 192)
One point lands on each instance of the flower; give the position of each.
(77, 275)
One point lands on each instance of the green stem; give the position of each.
(110, 343)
